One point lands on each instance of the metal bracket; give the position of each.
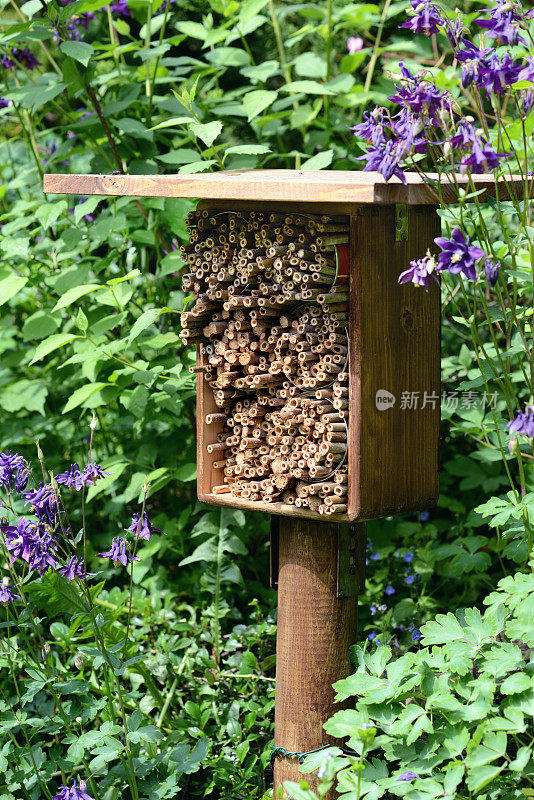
(351, 559)
(401, 222)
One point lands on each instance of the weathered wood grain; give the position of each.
(394, 346)
(315, 632)
(309, 186)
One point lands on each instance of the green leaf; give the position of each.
(188, 472)
(56, 595)
(207, 132)
(80, 51)
(173, 122)
(196, 167)
(248, 149)
(518, 682)
(146, 319)
(52, 343)
(257, 101)
(479, 777)
(320, 161)
(308, 87)
(24, 394)
(10, 286)
(81, 395)
(74, 294)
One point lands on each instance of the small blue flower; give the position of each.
(389, 589)
(408, 557)
(409, 579)
(416, 636)
(376, 557)
(377, 642)
(372, 636)
(408, 776)
(373, 609)
(424, 516)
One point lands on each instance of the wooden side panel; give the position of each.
(396, 346)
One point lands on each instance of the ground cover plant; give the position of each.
(89, 304)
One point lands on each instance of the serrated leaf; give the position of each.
(257, 101)
(207, 132)
(319, 161)
(82, 394)
(79, 51)
(10, 286)
(74, 294)
(52, 343)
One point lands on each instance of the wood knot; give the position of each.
(407, 320)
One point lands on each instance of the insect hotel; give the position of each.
(318, 385)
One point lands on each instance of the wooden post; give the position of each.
(315, 631)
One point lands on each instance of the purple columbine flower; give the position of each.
(43, 557)
(118, 552)
(502, 24)
(142, 529)
(483, 157)
(458, 255)
(527, 101)
(386, 158)
(74, 569)
(408, 776)
(421, 96)
(19, 58)
(464, 135)
(372, 127)
(9, 464)
(6, 593)
(43, 500)
(21, 479)
(498, 75)
(491, 268)
(74, 793)
(421, 272)
(121, 8)
(389, 590)
(523, 423)
(75, 478)
(427, 18)
(472, 59)
(416, 636)
(20, 539)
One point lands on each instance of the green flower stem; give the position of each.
(376, 46)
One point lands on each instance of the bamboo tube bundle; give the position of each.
(270, 316)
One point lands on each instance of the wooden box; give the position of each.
(393, 329)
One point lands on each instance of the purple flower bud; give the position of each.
(21, 479)
(491, 269)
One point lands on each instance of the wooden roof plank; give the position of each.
(327, 186)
